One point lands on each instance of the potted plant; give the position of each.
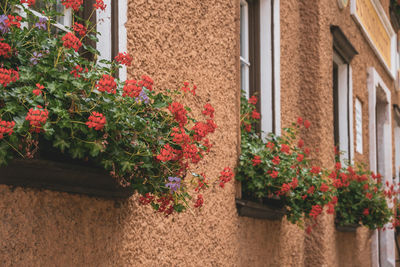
(57, 103)
(277, 168)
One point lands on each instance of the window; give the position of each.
(341, 97)
(259, 58)
(110, 24)
(343, 53)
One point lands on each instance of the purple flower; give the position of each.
(174, 183)
(3, 25)
(35, 59)
(41, 24)
(143, 97)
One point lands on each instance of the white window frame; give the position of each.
(67, 17)
(345, 99)
(383, 244)
(244, 48)
(269, 69)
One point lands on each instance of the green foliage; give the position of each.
(136, 128)
(361, 197)
(291, 178)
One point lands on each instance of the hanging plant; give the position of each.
(51, 93)
(362, 198)
(279, 167)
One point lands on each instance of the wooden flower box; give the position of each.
(64, 177)
(269, 209)
(349, 228)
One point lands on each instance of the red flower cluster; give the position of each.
(6, 127)
(37, 118)
(78, 69)
(253, 100)
(247, 127)
(255, 115)
(256, 160)
(7, 76)
(300, 157)
(166, 204)
(300, 121)
(74, 4)
(131, 89)
(185, 88)
(285, 149)
(300, 143)
(13, 21)
(107, 84)
(226, 176)
(38, 90)
(124, 59)
(208, 110)
(199, 201)
(273, 174)
(315, 211)
(276, 160)
(5, 50)
(29, 2)
(146, 199)
(168, 153)
(191, 152)
(180, 136)
(96, 121)
(146, 82)
(179, 113)
(99, 5)
(71, 41)
(201, 129)
(315, 170)
(79, 29)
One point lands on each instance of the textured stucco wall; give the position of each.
(307, 91)
(174, 41)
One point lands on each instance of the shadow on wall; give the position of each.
(58, 229)
(270, 243)
(350, 247)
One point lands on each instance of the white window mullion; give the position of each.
(122, 34)
(104, 29)
(266, 86)
(244, 47)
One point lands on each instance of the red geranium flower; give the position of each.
(80, 29)
(38, 90)
(253, 100)
(96, 121)
(256, 160)
(71, 41)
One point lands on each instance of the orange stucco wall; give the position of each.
(174, 41)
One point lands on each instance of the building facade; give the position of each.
(333, 62)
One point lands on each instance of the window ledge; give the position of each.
(62, 177)
(256, 210)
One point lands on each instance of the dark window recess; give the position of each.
(335, 104)
(343, 47)
(254, 52)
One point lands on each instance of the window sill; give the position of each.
(247, 208)
(62, 177)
